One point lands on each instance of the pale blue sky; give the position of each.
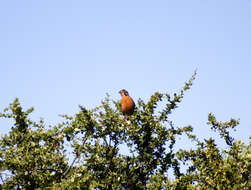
(57, 54)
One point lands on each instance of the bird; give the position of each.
(127, 103)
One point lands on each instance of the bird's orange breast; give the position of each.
(127, 105)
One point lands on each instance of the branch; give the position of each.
(68, 169)
(1, 178)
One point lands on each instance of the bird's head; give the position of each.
(123, 92)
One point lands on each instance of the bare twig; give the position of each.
(2, 178)
(68, 169)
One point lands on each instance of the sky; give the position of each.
(56, 55)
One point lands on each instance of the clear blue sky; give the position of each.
(57, 54)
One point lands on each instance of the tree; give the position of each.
(33, 156)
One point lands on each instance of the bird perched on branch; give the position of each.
(127, 103)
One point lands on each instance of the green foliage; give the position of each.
(33, 156)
